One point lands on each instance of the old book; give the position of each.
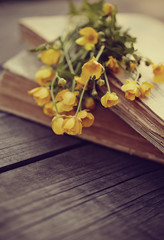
(146, 115)
(18, 78)
(139, 115)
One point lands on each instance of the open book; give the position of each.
(144, 116)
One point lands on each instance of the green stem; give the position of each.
(100, 52)
(68, 62)
(52, 92)
(79, 64)
(81, 97)
(137, 78)
(73, 84)
(77, 55)
(107, 82)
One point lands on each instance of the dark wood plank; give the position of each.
(88, 193)
(21, 140)
(3, 114)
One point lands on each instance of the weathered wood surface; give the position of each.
(90, 192)
(62, 188)
(21, 140)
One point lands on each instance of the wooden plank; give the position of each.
(3, 114)
(21, 140)
(88, 192)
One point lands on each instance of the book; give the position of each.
(19, 77)
(138, 114)
(144, 115)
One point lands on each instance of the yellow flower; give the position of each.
(109, 99)
(145, 88)
(50, 56)
(62, 108)
(66, 100)
(158, 71)
(49, 109)
(45, 75)
(57, 125)
(41, 95)
(59, 96)
(69, 98)
(132, 66)
(86, 117)
(112, 65)
(72, 125)
(131, 89)
(91, 69)
(79, 82)
(89, 103)
(89, 38)
(107, 9)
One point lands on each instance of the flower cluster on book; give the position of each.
(78, 63)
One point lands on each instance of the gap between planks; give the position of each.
(42, 157)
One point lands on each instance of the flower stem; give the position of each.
(81, 97)
(137, 76)
(52, 93)
(100, 52)
(79, 64)
(107, 82)
(68, 61)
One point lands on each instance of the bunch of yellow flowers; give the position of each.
(77, 65)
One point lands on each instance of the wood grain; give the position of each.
(21, 140)
(70, 197)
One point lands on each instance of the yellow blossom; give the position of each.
(59, 96)
(72, 125)
(91, 69)
(109, 99)
(89, 38)
(57, 125)
(86, 117)
(113, 65)
(158, 71)
(50, 56)
(66, 100)
(41, 95)
(89, 103)
(63, 107)
(69, 98)
(107, 9)
(131, 89)
(45, 75)
(145, 88)
(49, 109)
(79, 82)
(132, 66)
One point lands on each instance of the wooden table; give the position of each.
(55, 187)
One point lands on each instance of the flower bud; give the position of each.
(94, 92)
(100, 82)
(62, 82)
